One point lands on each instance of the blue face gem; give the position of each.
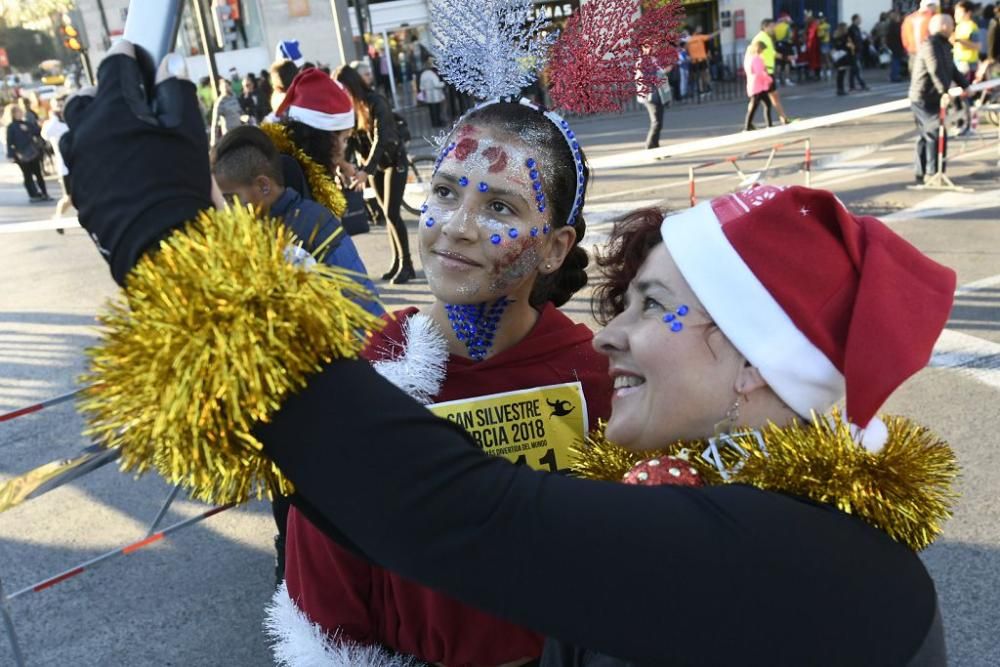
(537, 185)
(669, 317)
(483, 187)
(534, 174)
(683, 310)
(512, 233)
(546, 228)
(423, 209)
(569, 133)
(575, 145)
(534, 231)
(530, 164)
(463, 181)
(676, 326)
(430, 222)
(564, 123)
(540, 197)
(541, 209)
(495, 239)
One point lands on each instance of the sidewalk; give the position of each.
(14, 199)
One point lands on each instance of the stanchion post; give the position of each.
(940, 143)
(808, 163)
(163, 510)
(691, 196)
(8, 622)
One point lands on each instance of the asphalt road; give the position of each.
(196, 598)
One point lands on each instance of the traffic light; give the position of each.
(72, 39)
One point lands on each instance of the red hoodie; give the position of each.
(371, 605)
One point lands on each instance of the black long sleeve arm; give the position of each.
(696, 576)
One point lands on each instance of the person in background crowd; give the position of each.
(431, 92)
(281, 75)
(656, 101)
(879, 30)
(856, 39)
(23, 148)
(933, 73)
(246, 165)
(782, 34)
(265, 90)
(251, 101)
(916, 30)
(825, 45)
(28, 109)
(758, 83)
(382, 157)
(992, 42)
(364, 70)
(841, 55)
(52, 130)
(766, 35)
(894, 42)
(235, 81)
(226, 112)
(966, 40)
(698, 49)
(206, 98)
(813, 52)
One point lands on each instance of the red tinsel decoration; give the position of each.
(612, 49)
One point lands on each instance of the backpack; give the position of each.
(402, 129)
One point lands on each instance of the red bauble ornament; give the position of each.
(663, 470)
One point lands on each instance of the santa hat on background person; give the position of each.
(318, 101)
(822, 302)
(288, 49)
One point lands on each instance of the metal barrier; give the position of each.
(733, 160)
(52, 475)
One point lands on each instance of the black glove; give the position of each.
(139, 164)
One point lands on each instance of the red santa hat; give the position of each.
(313, 98)
(822, 302)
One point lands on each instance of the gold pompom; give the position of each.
(323, 188)
(210, 335)
(905, 489)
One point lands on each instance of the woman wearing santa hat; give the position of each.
(776, 532)
(750, 523)
(316, 117)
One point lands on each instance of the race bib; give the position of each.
(534, 427)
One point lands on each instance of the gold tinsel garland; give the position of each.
(210, 335)
(324, 190)
(905, 490)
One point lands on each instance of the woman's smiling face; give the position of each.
(484, 232)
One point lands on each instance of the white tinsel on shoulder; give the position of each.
(298, 642)
(420, 371)
(489, 48)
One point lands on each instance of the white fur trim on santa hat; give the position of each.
(798, 371)
(298, 642)
(320, 120)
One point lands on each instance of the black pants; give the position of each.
(856, 75)
(435, 109)
(389, 185)
(655, 108)
(925, 157)
(755, 102)
(32, 172)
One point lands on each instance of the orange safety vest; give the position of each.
(916, 30)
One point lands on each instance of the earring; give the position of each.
(726, 424)
(548, 266)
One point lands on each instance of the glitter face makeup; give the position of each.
(481, 243)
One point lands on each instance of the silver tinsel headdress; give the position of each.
(489, 48)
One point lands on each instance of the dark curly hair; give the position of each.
(632, 239)
(317, 144)
(560, 189)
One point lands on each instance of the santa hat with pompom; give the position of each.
(313, 98)
(822, 302)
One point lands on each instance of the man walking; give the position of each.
(933, 73)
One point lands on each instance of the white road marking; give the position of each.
(971, 356)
